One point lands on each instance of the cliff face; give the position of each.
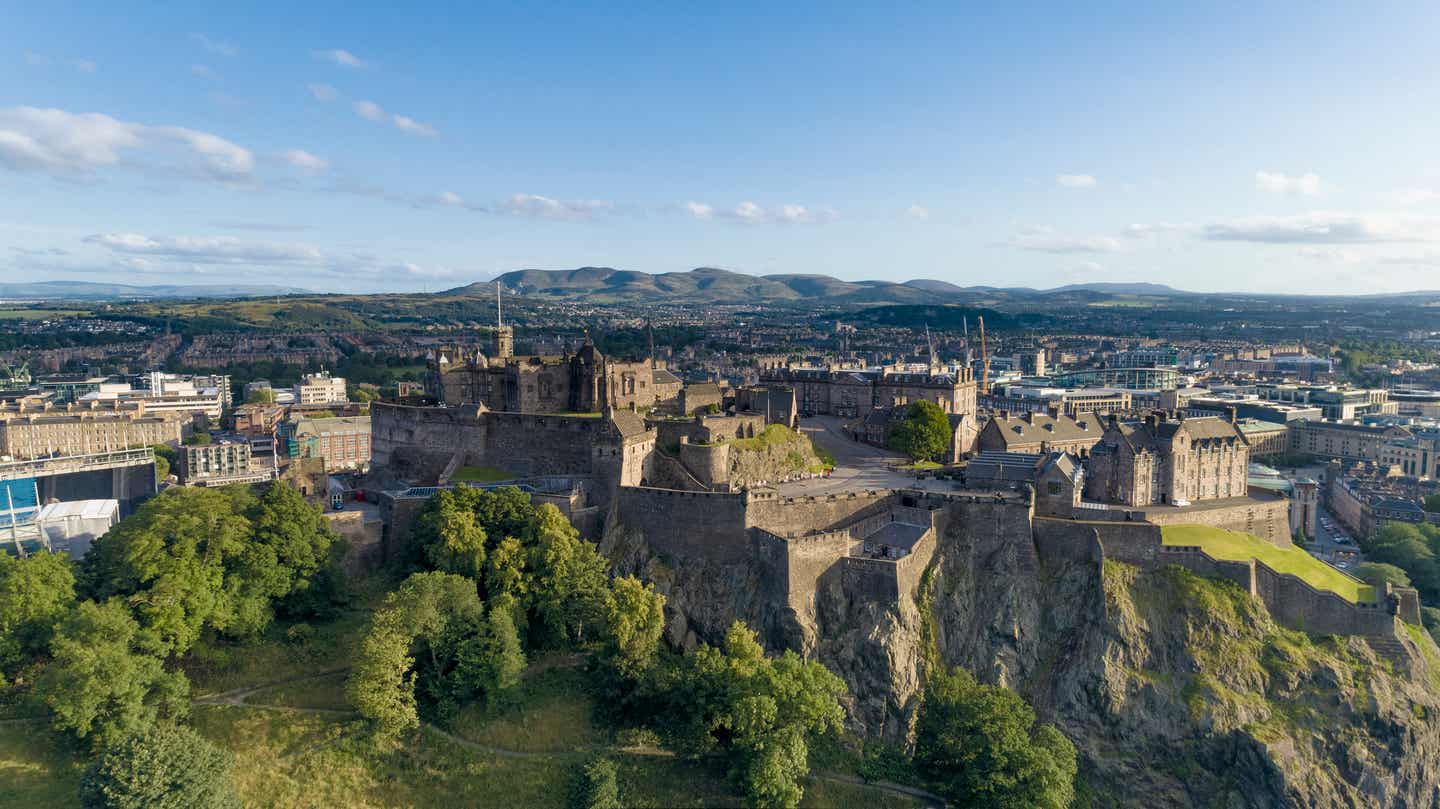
(1176, 690)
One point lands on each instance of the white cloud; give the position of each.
(752, 213)
(1325, 227)
(413, 126)
(203, 71)
(1274, 182)
(1413, 196)
(301, 159)
(70, 144)
(548, 208)
(207, 250)
(450, 198)
(323, 92)
(41, 60)
(339, 56)
(214, 45)
(917, 211)
(1075, 181)
(371, 111)
(1047, 240)
(1142, 230)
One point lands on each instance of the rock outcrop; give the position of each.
(1176, 690)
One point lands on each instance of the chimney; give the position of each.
(1152, 421)
(1230, 414)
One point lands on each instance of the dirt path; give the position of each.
(236, 699)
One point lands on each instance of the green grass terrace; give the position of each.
(1235, 546)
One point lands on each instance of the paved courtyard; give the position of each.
(857, 466)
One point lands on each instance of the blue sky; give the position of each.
(1290, 147)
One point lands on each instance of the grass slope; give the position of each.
(1239, 547)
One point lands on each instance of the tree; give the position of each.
(758, 712)
(596, 786)
(428, 614)
(260, 396)
(460, 543)
(100, 684)
(197, 557)
(634, 622)
(36, 593)
(163, 767)
(290, 545)
(505, 570)
(1379, 574)
(164, 460)
(197, 439)
(923, 433)
(979, 745)
(168, 561)
(1432, 503)
(571, 579)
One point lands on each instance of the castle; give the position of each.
(584, 382)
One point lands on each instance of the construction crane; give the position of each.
(984, 359)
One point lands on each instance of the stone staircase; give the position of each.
(1391, 648)
(455, 462)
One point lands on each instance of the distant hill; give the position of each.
(700, 285)
(1138, 288)
(86, 290)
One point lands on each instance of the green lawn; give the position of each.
(551, 711)
(773, 434)
(481, 474)
(921, 466)
(36, 769)
(1239, 547)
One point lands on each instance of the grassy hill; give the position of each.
(1239, 547)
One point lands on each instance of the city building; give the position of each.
(221, 462)
(1344, 440)
(343, 441)
(1340, 404)
(854, 393)
(1022, 398)
(1266, 438)
(1168, 460)
(320, 388)
(168, 393)
(26, 434)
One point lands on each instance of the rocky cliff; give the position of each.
(1176, 690)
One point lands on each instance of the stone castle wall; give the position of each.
(1290, 600)
(708, 463)
(416, 443)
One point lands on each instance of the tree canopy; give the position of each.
(981, 746)
(198, 557)
(758, 712)
(162, 767)
(36, 593)
(923, 433)
(100, 683)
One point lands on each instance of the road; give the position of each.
(857, 466)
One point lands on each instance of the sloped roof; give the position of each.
(628, 423)
(1034, 428)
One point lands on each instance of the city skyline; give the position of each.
(1039, 147)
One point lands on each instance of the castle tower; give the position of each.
(1305, 507)
(503, 341)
